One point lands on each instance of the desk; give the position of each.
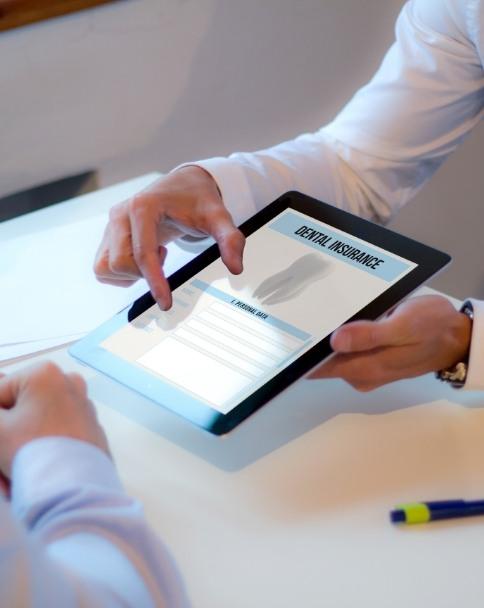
(291, 508)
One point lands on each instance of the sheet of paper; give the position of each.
(48, 286)
(14, 351)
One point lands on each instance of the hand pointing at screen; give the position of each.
(186, 201)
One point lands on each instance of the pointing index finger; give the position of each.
(148, 255)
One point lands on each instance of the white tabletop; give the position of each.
(291, 508)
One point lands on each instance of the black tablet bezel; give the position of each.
(427, 259)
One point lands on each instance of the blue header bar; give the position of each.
(340, 246)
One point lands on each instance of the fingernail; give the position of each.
(341, 341)
(165, 304)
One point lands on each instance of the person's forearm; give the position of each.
(88, 533)
(310, 163)
(28, 578)
(387, 141)
(99, 568)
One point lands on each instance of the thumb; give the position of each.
(366, 335)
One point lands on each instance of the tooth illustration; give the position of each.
(290, 282)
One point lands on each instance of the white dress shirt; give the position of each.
(72, 537)
(427, 95)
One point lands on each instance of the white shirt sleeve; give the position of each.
(389, 139)
(394, 133)
(72, 537)
(475, 371)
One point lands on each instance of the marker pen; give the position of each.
(423, 512)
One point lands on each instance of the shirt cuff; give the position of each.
(45, 468)
(233, 185)
(475, 370)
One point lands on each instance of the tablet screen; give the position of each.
(225, 336)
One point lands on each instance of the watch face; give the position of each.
(468, 309)
(456, 375)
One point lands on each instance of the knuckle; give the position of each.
(120, 264)
(100, 266)
(139, 253)
(360, 375)
(100, 263)
(142, 255)
(211, 203)
(356, 383)
(119, 211)
(48, 370)
(371, 337)
(366, 388)
(124, 283)
(80, 382)
(235, 237)
(229, 235)
(368, 383)
(115, 212)
(106, 280)
(137, 204)
(213, 210)
(362, 385)
(49, 367)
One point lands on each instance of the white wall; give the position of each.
(141, 85)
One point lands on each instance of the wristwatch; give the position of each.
(457, 374)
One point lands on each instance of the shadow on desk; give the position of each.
(299, 410)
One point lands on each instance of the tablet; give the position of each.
(231, 343)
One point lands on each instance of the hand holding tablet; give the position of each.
(231, 343)
(422, 335)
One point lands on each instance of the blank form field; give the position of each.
(227, 356)
(213, 335)
(219, 353)
(195, 372)
(237, 331)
